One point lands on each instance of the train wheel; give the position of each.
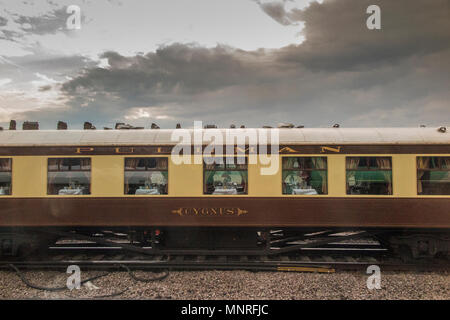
(405, 253)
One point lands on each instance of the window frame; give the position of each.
(225, 168)
(306, 169)
(390, 157)
(78, 170)
(146, 170)
(440, 169)
(11, 174)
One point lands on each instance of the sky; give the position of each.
(242, 62)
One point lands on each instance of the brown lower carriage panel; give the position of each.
(225, 212)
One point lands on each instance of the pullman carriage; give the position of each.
(393, 183)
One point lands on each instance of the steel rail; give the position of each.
(189, 262)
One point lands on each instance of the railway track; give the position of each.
(342, 256)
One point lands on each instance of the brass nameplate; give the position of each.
(210, 212)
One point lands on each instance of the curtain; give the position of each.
(446, 163)
(51, 187)
(53, 165)
(434, 163)
(385, 165)
(353, 163)
(5, 165)
(86, 167)
(212, 163)
(244, 178)
(320, 163)
(129, 175)
(422, 163)
(131, 163)
(162, 163)
(288, 162)
(164, 187)
(209, 179)
(241, 163)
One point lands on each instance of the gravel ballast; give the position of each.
(231, 285)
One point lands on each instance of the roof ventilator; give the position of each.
(29, 125)
(88, 126)
(61, 125)
(285, 125)
(123, 126)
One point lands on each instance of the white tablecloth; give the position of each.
(2, 191)
(225, 191)
(70, 191)
(304, 191)
(147, 191)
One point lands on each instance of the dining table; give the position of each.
(225, 191)
(67, 191)
(304, 191)
(145, 191)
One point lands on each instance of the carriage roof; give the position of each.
(287, 136)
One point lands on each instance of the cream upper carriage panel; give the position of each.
(182, 178)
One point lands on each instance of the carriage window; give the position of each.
(69, 176)
(369, 175)
(433, 175)
(5, 176)
(225, 176)
(146, 176)
(305, 175)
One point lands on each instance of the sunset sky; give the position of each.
(251, 62)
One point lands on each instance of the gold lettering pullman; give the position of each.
(209, 212)
(198, 150)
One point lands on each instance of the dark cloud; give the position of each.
(51, 22)
(41, 61)
(178, 68)
(3, 21)
(337, 36)
(342, 72)
(276, 11)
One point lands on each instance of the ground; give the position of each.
(234, 285)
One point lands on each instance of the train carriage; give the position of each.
(390, 182)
